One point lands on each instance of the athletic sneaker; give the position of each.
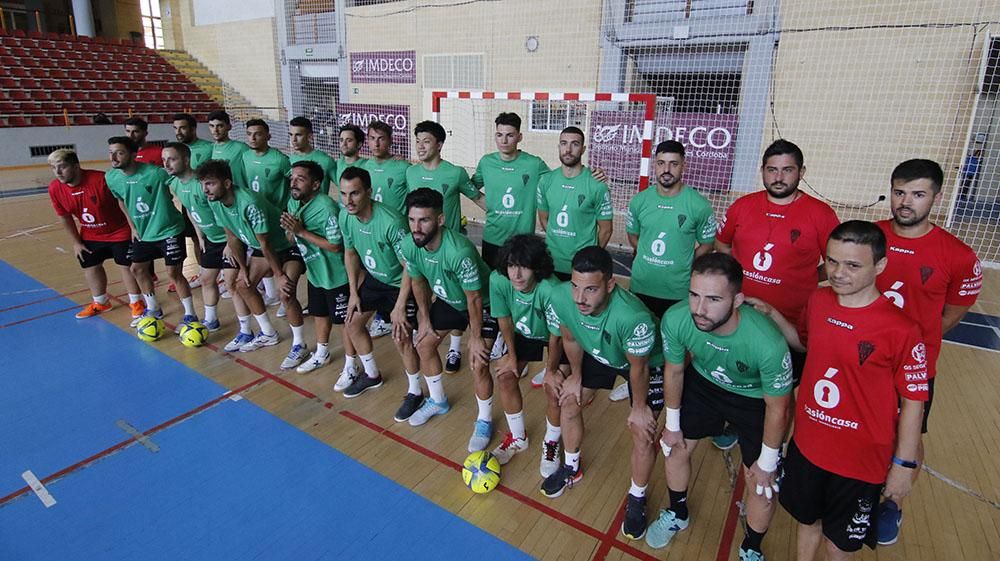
(410, 404)
(281, 311)
(620, 393)
(213, 325)
(238, 342)
(224, 290)
(137, 309)
(509, 447)
(93, 309)
(188, 318)
(453, 362)
(347, 378)
(261, 340)
(313, 363)
(379, 328)
(157, 313)
(726, 440)
(634, 525)
(361, 385)
(889, 519)
(482, 432)
(751, 555)
(429, 409)
(564, 477)
(499, 348)
(296, 356)
(660, 532)
(538, 380)
(551, 449)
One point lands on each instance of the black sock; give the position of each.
(679, 503)
(753, 539)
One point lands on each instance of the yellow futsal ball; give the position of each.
(481, 472)
(193, 334)
(149, 329)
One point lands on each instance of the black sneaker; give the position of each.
(564, 477)
(362, 384)
(453, 362)
(411, 403)
(634, 525)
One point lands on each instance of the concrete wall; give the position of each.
(90, 141)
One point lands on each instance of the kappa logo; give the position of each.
(606, 133)
(919, 353)
(794, 235)
(865, 350)
(925, 273)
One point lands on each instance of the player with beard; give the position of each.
(186, 131)
(137, 129)
(265, 169)
(740, 372)
(352, 139)
(300, 139)
(932, 276)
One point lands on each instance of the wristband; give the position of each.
(905, 463)
(673, 420)
(768, 458)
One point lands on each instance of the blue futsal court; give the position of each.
(221, 479)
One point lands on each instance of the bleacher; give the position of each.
(47, 79)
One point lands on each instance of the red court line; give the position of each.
(734, 515)
(40, 316)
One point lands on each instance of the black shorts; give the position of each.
(101, 251)
(656, 305)
(212, 256)
(597, 376)
(706, 408)
(173, 250)
(848, 508)
(563, 277)
(329, 302)
(189, 231)
(490, 254)
(446, 318)
(284, 256)
(927, 405)
(529, 350)
(798, 364)
(378, 297)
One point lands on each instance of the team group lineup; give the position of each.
(725, 327)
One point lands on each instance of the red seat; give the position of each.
(41, 121)
(79, 95)
(28, 107)
(60, 95)
(8, 107)
(17, 121)
(19, 72)
(28, 83)
(6, 82)
(82, 120)
(57, 73)
(74, 74)
(19, 52)
(19, 94)
(8, 61)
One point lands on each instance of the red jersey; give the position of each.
(150, 154)
(93, 205)
(779, 246)
(924, 274)
(862, 362)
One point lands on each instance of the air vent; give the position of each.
(44, 151)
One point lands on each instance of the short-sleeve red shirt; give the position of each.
(150, 154)
(779, 246)
(93, 205)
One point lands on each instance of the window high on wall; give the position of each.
(152, 24)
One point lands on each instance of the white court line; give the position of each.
(28, 291)
(28, 231)
(40, 491)
(960, 487)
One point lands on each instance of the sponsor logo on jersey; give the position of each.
(925, 274)
(918, 377)
(902, 250)
(917, 387)
(865, 350)
(794, 235)
(840, 323)
(919, 353)
(830, 420)
(717, 347)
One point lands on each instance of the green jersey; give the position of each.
(574, 206)
(389, 182)
(148, 201)
(752, 361)
(449, 180)
(668, 228)
(250, 215)
(232, 152)
(378, 242)
(526, 309)
(454, 267)
(268, 175)
(324, 269)
(201, 152)
(511, 190)
(329, 166)
(193, 198)
(625, 326)
(343, 164)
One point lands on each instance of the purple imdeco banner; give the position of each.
(384, 67)
(396, 116)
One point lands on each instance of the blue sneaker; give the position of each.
(213, 325)
(660, 532)
(889, 519)
(188, 318)
(237, 342)
(751, 555)
(482, 432)
(726, 440)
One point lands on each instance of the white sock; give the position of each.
(133, 298)
(552, 432)
(188, 304)
(322, 350)
(264, 324)
(270, 289)
(435, 386)
(349, 361)
(210, 314)
(297, 331)
(573, 460)
(456, 344)
(485, 409)
(244, 324)
(102, 299)
(150, 301)
(368, 361)
(414, 383)
(636, 490)
(515, 422)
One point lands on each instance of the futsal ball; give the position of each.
(149, 329)
(481, 472)
(193, 334)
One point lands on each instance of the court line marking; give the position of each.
(40, 491)
(137, 436)
(949, 481)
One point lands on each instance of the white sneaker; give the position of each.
(551, 457)
(538, 380)
(499, 348)
(261, 340)
(295, 357)
(313, 363)
(379, 328)
(281, 311)
(271, 301)
(482, 433)
(429, 409)
(620, 393)
(237, 342)
(347, 378)
(509, 447)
